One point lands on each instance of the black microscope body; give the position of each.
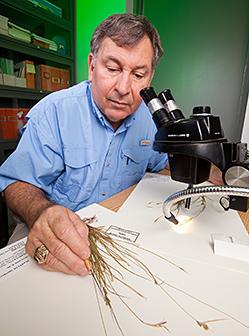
(194, 143)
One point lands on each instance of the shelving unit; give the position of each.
(43, 23)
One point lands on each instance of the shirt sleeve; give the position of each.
(38, 156)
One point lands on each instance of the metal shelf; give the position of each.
(21, 93)
(9, 43)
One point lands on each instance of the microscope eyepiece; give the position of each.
(169, 103)
(148, 94)
(165, 96)
(159, 114)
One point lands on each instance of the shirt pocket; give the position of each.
(134, 162)
(79, 177)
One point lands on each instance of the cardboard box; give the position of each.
(21, 82)
(40, 43)
(9, 80)
(51, 78)
(39, 40)
(26, 69)
(11, 122)
(64, 75)
(47, 78)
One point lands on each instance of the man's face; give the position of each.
(117, 75)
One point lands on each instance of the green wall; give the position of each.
(206, 51)
(206, 46)
(89, 13)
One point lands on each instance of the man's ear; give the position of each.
(90, 66)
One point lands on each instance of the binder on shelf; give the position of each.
(7, 66)
(61, 45)
(50, 78)
(12, 121)
(7, 73)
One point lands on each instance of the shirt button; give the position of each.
(103, 193)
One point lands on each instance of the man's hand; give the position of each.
(58, 228)
(65, 236)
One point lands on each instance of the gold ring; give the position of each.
(41, 254)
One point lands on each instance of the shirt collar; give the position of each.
(102, 119)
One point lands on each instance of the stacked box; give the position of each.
(39, 40)
(26, 70)
(11, 122)
(9, 80)
(21, 82)
(50, 78)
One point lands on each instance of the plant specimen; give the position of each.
(111, 259)
(179, 209)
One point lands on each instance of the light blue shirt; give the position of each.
(71, 152)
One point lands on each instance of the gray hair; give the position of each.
(127, 29)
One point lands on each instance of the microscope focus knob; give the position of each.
(237, 175)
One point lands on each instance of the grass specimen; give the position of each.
(180, 209)
(111, 258)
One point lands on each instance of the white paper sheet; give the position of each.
(44, 303)
(192, 240)
(13, 258)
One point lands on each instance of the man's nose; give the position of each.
(123, 84)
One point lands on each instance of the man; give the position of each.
(85, 143)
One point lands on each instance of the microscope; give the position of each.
(192, 145)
